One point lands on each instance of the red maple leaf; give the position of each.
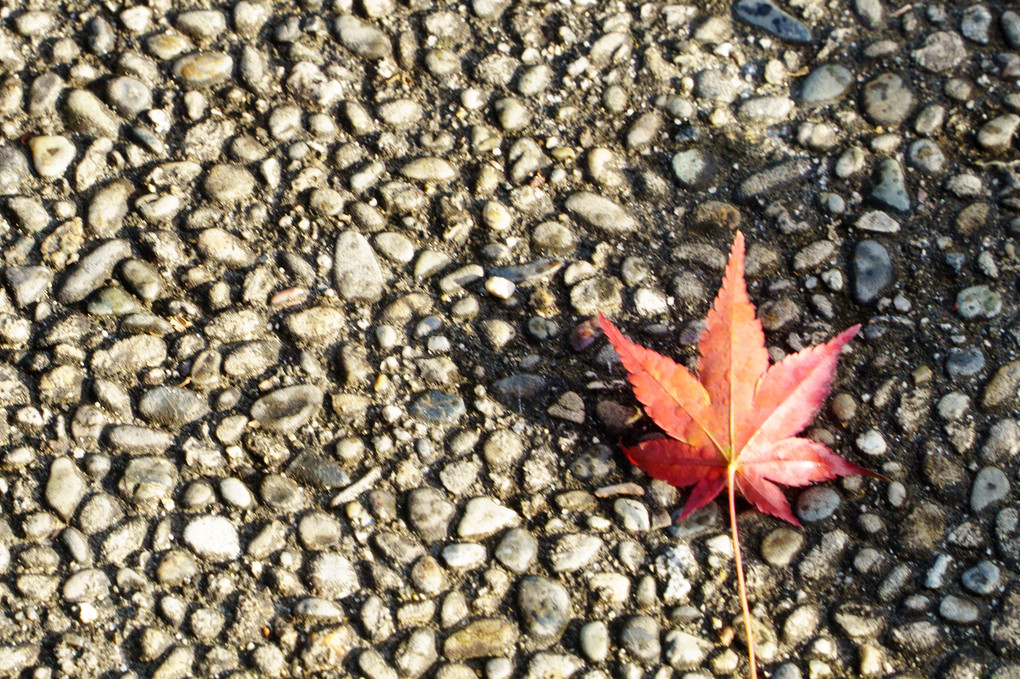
(734, 426)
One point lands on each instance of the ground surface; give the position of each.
(296, 372)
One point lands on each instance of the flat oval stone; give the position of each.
(439, 407)
(204, 68)
(601, 212)
(825, 84)
(486, 638)
(93, 270)
(172, 406)
(286, 410)
(429, 170)
(229, 183)
(214, 538)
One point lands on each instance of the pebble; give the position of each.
(204, 68)
(229, 184)
(693, 168)
(511, 114)
(148, 479)
(93, 270)
(545, 608)
(438, 407)
(781, 546)
(767, 16)
(888, 99)
(28, 284)
(890, 186)
(817, 504)
(825, 84)
(87, 114)
(434, 170)
(990, 486)
(51, 155)
(362, 38)
(977, 302)
(65, 487)
(941, 52)
(517, 550)
(633, 515)
(286, 410)
(774, 178)
(172, 406)
(600, 212)
(573, 552)
(129, 96)
(873, 271)
(356, 270)
(484, 638)
(136, 440)
(997, 134)
(976, 24)
(877, 221)
(640, 637)
(484, 517)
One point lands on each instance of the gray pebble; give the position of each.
(826, 84)
(356, 270)
(982, 579)
(890, 186)
(990, 486)
(544, 607)
(888, 99)
(965, 362)
(767, 16)
(93, 270)
(214, 538)
(517, 550)
(129, 96)
(286, 410)
(640, 636)
(148, 480)
(817, 503)
(65, 487)
(90, 116)
(976, 24)
(362, 38)
(978, 301)
(28, 284)
(229, 183)
(172, 406)
(136, 440)
(873, 271)
(942, 51)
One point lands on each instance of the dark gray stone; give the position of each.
(873, 271)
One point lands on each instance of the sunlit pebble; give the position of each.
(88, 613)
(288, 298)
(584, 334)
(500, 287)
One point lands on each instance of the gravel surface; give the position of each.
(298, 373)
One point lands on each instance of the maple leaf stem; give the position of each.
(731, 472)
